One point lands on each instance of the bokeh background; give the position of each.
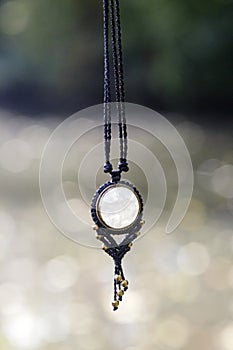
(55, 294)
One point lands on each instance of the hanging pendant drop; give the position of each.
(116, 210)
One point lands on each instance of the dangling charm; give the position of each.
(116, 209)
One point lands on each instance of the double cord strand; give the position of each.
(112, 8)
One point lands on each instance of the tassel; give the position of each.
(120, 283)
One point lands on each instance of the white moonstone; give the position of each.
(118, 207)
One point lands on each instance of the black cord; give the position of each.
(121, 91)
(119, 51)
(115, 24)
(107, 94)
(114, 50)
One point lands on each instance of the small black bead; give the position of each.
(116, 175)
(123, 165)
(107, 167)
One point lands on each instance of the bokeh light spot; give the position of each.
(182, 288)
(24, 331)
(226, 337)
(15, 155)
(11, 298)
(60, 273)
(56, 325)
(8, 227)
(193, 259)
(222, 181)
(172, 333)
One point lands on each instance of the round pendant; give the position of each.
(117, 207)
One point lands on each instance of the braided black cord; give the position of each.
(107, 95)
(114, 50)
(122, 118)
(113, 6)
(119, 51)
(116, 73)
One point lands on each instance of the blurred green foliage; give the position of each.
(177, 54)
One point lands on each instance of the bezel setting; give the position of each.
(101, 226)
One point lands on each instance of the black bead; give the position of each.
(123, 165)
(107, 167)
(116, 175)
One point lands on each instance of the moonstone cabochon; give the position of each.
(118, 206)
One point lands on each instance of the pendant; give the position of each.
(117, 209)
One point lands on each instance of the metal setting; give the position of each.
(134, 227)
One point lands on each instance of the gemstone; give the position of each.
(118, 207)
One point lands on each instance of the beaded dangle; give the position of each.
(117, 206)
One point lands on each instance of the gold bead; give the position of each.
(99, 236)
(142, 222)
(124, 283)
(138, 234)
(104, 248)
(115, 303)
(130, 245)
(118, 278)
(120, 293)
(95, 227)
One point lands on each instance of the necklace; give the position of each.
(117, 206)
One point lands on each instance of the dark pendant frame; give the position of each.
(101, 226)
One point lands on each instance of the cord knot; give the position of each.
(107, 167)
(116, 175)
(123, 165)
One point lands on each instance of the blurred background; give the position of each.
(177, 55)
(55, 294)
